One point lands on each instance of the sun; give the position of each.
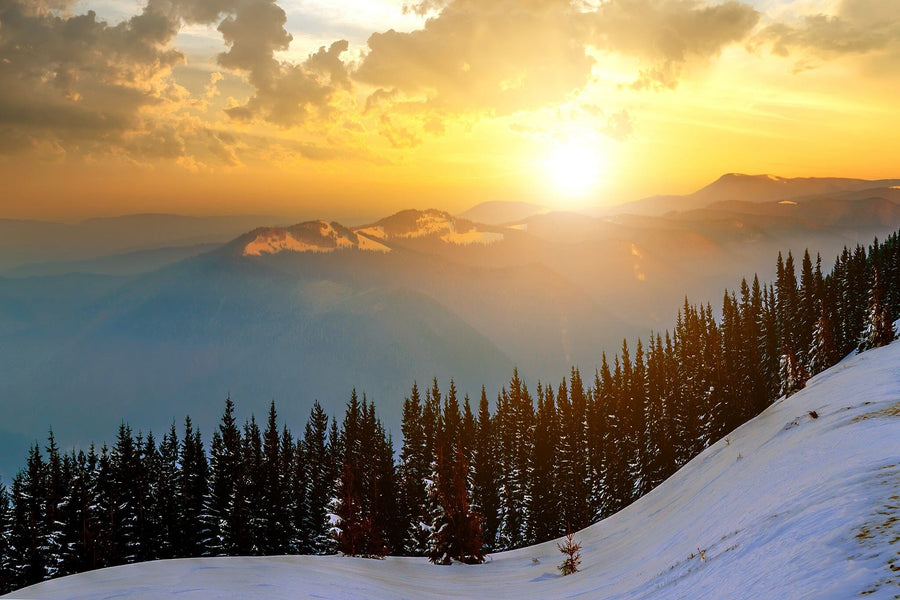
(573, 169)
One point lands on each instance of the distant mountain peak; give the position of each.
(502, 212)
(311, 236)
(326, 237)
(412, 224)
(740, 187)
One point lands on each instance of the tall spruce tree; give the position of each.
(319, 478)
(823, 352)
(149, 517)
(6, 572)
(544, 514)
(274, 515)
(456, 531)
(167, 489)
(193, 518)
(414, 471)
(251, 506)
(29, 534)
(124, 466)
(299, 502)
(485, 474)
(225, 474)
(879, 328)
(55, 484)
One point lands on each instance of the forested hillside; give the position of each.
(468, 479)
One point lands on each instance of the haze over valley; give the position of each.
(312, 311)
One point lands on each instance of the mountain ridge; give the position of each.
(752, 188)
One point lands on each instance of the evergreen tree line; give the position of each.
(467, 481)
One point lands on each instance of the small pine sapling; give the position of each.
(571, 549)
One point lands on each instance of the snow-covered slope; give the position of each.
(312, 236)
(788, 506)
(321, 236)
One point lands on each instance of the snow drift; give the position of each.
(801, 502)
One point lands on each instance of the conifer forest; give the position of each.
(470, 476)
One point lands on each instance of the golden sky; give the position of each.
(356, 108)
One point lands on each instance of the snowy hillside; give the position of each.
(801, 502)
(312, 236)
(321, 236)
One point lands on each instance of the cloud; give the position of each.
(84, 85)
(858, 27)
(669, 33)
(505, 56)
(619, 126)
(94, 87)
(499, 56)
(286, 94)
(76, 78)
(424, 7)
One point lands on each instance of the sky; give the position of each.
(356, 108)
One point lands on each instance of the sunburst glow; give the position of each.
(573, 169)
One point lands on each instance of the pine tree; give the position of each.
(385, 507)
(319, 481)
(617, 484)
(577, 437)
(485, 473)
(658, 456)
(292, 501)
(28, 539)
(515, 413)
(124, 465)
(467, 432)
(224, 475)
(543, 497)
(823, 352)
(572, 550)
(808, 309)
(193, 518)
(879, 330)
(302, 540)
(168, 495)
(251, 540)
(349, 527)
(414, 471)
(149, 518)
(6, 567)
(793, 375)
(358, 532)
(602, 433)
(456, 530)
(55, 485)
(275, 533)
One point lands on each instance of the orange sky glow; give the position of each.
(353, 109)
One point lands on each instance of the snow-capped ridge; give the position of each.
(311, 236)
(326, 237)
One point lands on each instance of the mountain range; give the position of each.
(314, 310)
